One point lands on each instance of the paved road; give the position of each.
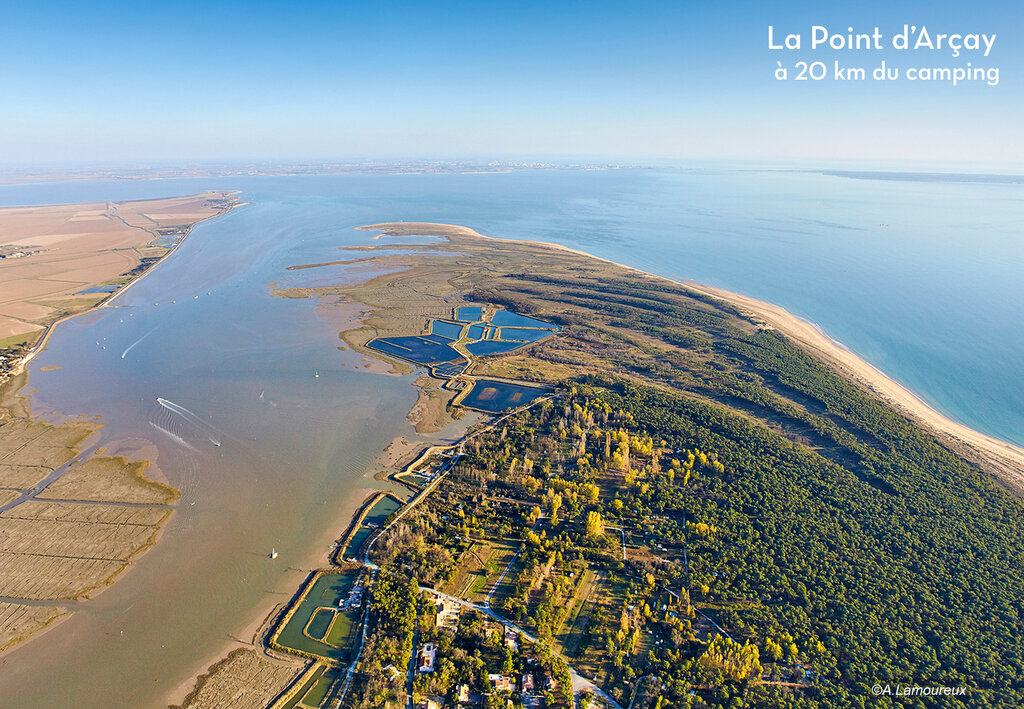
(579, 682)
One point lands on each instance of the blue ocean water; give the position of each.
(922, 278)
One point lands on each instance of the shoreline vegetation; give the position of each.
(1002, 459)
(74, 517)
(778, 500)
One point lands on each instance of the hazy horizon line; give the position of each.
(512, 162)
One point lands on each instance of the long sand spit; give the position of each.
(1003, 460)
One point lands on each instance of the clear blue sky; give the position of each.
(156, 81)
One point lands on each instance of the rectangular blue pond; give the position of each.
(98, 289)
(510, 319)
(416, 349)
(446, 329)
(524, 334)
(494, 397)
(449, 369)
(468, 314)
(486, 347)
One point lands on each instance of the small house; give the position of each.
(428, 655)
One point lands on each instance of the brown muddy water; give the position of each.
(271, 434)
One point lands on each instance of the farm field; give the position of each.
(480, 568)
(571, 633)
(59, 258)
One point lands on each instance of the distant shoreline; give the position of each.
(41, 343)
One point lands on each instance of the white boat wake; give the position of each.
(173, 436)
(180, 410)
(189, 417)
(132, 345)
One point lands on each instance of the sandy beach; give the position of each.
(1002, 459)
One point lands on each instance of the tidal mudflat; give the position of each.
(245, 404)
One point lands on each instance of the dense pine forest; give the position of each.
(708, 516)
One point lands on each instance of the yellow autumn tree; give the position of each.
(736, 662)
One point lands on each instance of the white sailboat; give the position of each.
(273, 553)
